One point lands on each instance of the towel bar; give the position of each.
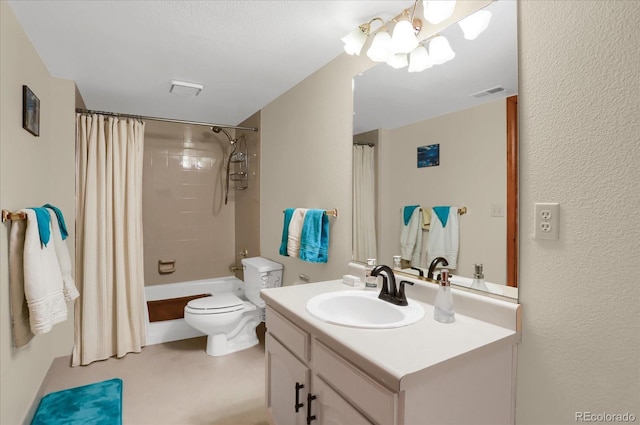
(332, 213)
(8, 215)
(462, 210)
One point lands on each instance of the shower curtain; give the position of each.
(364, 204)
(109, 315)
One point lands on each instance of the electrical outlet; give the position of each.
(546, 221)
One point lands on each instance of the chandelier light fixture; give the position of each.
(436, 11)
(355, 40)
(397, 43)
(405, 36)
(472, 26)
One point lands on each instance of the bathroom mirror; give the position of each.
(463, 106)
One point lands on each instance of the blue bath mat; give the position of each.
(95, 404)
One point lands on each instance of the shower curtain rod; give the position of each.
(142, 117)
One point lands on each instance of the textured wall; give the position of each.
(306, 149)
(33, 171)
(580, 146)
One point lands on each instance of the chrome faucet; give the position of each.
(433, 265)
(389, 291)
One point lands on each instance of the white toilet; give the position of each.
(229, 321)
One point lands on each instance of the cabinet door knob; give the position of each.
(298, 405)
(309, 417)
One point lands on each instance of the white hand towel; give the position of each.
(444, 241)
(411, 237)
(18, 303)
(43, 287)
(64, 261)
(295, 232)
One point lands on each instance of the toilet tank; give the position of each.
(260, 273)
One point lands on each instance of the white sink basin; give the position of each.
(362, 309)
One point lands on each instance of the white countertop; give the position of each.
(395, 357)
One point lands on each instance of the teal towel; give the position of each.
(288, 213)
(443, 214)
(44, 221)
(61, 223)
(408, 212)
(314, 238)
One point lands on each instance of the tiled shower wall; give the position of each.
(184, 216)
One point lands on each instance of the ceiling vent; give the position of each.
(184, 88)
(487, 92)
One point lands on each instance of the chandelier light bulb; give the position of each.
(440, 51)
(419, 60)
(399, 60)
(380, 49)
(404, 37)
(354, 41)
(436, 11)
(472, 26)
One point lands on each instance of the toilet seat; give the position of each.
(215, 304)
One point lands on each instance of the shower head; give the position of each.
(219, 129)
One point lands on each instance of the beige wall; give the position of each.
(472, 174)
(580, 146)
(33, 171)
(184, 215)
(306, 162)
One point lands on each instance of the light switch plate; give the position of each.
(497, 210)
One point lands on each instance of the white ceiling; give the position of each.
(123, 54)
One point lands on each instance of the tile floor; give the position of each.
(178, 383)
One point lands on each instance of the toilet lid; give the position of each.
(215, 304)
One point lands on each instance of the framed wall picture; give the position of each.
(429, 156)
(30, 111)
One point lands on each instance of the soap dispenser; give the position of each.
(443, 307)
(478, 279)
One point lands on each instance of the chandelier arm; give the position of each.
(413, 10)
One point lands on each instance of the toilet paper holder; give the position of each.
(166, 267)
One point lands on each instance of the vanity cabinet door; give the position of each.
(331, 409)
(287, 384)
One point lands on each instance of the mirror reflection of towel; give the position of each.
(407, 212)
(426, 218)
(411, 237)
(443, 214)
(444, 239)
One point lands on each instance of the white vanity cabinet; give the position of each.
(292, 385)
(288, 382)
(331, 408)
(426, 373)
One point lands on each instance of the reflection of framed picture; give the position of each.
(30, 111)
(429, 156)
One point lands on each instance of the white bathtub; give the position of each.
(174, 330)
